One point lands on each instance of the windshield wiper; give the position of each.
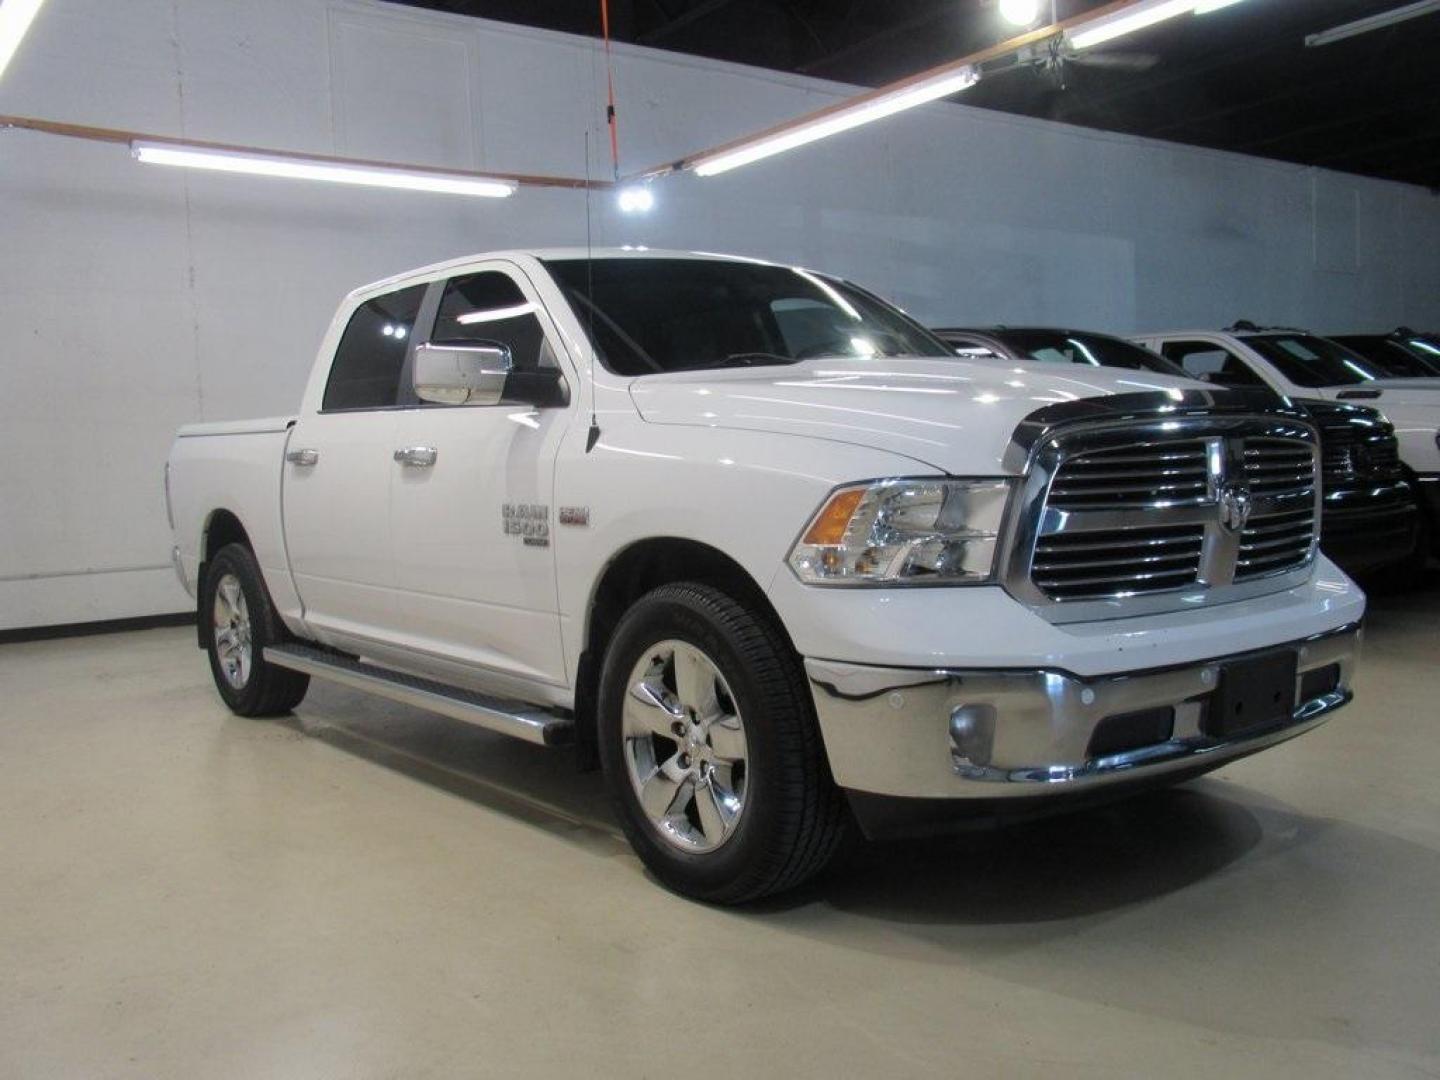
(744, 359)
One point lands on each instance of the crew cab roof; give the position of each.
(548, 254)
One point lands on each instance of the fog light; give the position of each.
(972, 734)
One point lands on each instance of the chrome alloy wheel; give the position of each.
(231, 617)
(684, 744)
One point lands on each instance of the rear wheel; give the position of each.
(711, 751)
(241, 622)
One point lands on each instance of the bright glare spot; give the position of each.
(862, 346)
(636, 200)
(399, 331)
(388, 330)
(1020, 12)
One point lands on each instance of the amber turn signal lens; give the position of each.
(829, 525)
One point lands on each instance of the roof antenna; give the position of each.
(593, 435)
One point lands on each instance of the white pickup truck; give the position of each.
(768, 550)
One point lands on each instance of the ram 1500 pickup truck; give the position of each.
(767, 550)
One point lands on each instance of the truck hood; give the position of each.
(954, 415)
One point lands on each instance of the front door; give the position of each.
(475, 570)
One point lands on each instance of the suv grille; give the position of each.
(1155, 515)
(1356, 444)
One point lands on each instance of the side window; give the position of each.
(489, 307)
(1208, 361)
(365, 373)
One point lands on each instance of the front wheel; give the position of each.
(239, 621)
(711, 751)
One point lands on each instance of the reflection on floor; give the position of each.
(365, 890)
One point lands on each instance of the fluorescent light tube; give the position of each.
(15, 18)
(863, 112)
(299, 168)
(1127, 21)
(499, 314)
(1359, 26)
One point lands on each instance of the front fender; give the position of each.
(747, 494)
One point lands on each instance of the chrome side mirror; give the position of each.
(462, 374)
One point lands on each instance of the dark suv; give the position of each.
(1369, 518)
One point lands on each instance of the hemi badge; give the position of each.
(574, 515)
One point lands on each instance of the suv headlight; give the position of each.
(904, 532)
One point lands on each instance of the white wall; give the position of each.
(133, 299)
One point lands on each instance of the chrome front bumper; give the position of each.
(921, 733)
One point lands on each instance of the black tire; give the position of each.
(794, 818)
(265, 690)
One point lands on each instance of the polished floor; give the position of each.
(368, 891)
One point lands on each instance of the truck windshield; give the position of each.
(1312, 361)
(1097, 350)
(658, 315)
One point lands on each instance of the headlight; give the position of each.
(904, 532)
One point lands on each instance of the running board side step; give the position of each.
(528, 722)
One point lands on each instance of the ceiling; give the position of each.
(1238, 79)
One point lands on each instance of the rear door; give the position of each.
(475, 570)
(337, 476)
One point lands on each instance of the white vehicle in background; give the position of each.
(1303, 365)
(765, 548)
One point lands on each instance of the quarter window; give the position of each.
(366, 371)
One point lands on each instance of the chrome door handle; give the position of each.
(302, 457)
(416, 457)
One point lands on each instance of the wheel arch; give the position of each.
(222, 527)
(635, 570)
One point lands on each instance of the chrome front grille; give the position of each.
(1278, 466)
(1074, 566)
(1165, 515)
(1274, 542)
(1132, 476)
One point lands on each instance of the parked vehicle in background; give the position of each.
(1051, 345)
(1302, 365)
(1402, 353)
(768, 549)
(1369, 519)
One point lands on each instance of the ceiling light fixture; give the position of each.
(298, 167)
(636, 199)
(825, 123)
(15, 18)
(1372, 22)
(1020, 12)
